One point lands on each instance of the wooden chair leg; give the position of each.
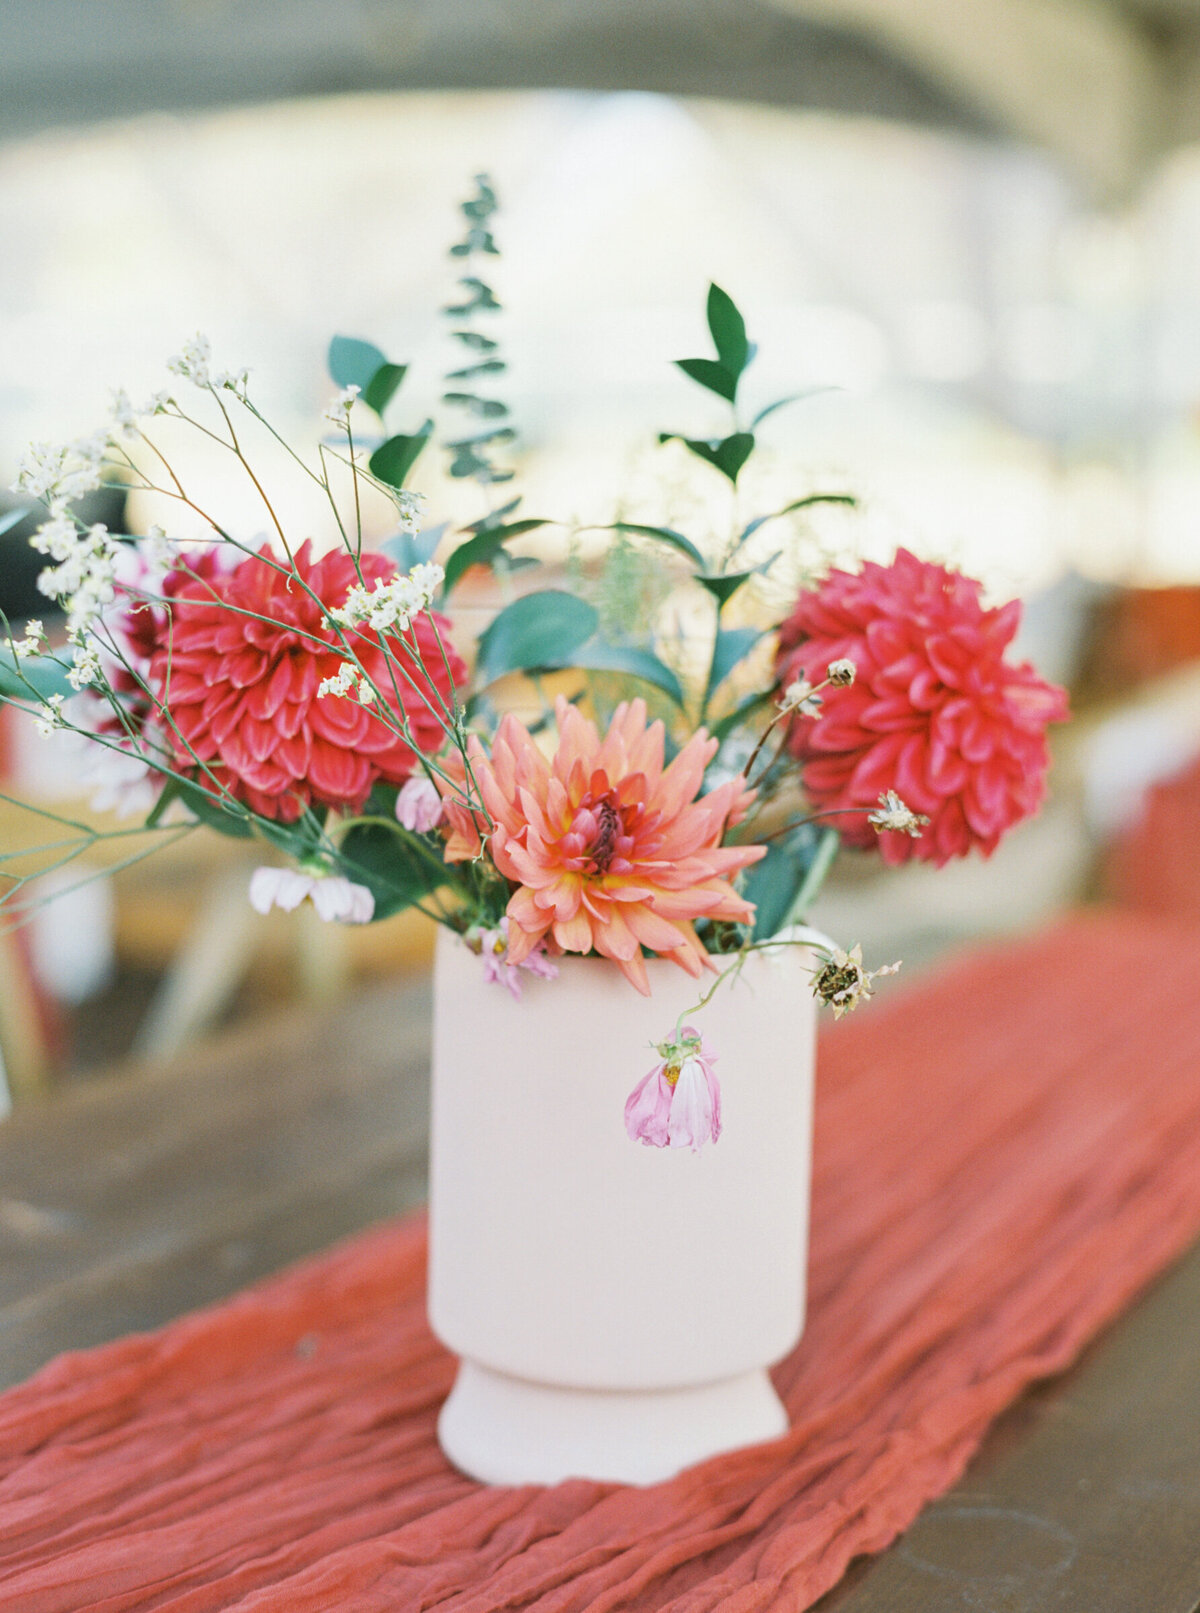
(24, 1051)
(207, 971)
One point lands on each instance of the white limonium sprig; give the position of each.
(58, 473)
(86, 670)
(194, 363)
(391, 603)
(84, 580)
(159, 550)
(410, 507)
(52, 716)
(338, 412)
(31, 644)
(125, 414)
(348, 680)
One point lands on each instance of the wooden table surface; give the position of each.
(136, 1197)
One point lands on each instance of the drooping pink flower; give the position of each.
(935, 713)
(241, 656)
(610, 850)
(678, 1104)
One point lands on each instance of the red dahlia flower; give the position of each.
(934, 713)
(242, 691)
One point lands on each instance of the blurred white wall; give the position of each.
(1014, 376)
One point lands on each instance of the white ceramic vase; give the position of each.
(615, 1306)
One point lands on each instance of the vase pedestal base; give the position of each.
(506, 1430)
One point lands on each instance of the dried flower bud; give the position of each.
(841, 673)
(800, 698)
(842, 982)
(892, 814)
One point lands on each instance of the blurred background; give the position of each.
(971, 226)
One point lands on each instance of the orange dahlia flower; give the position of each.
(610, 851)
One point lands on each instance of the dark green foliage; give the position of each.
(392, 461)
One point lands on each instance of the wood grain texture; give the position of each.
(1085, 1497)
(140, 1196)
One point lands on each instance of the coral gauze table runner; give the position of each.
(1005, 1155)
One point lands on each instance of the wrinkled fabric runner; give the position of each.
(1005, 1155)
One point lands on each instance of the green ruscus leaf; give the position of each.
(727, 454)
(392, 461)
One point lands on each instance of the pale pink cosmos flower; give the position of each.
(678, 1105)
(498, 969)
(418, 805)
(335, 899)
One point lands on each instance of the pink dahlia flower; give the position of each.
(935, 712)
(678, 1105)
(610, 851)
(241, 656)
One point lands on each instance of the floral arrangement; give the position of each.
(674, 797)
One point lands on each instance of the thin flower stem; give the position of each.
(250, 472)
(26, 912)
(738, 964)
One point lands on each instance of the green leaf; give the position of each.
(487, 366)
(496, 434)
(352, 362)
(409, 549)
(12, 519)
(42, 671)
(493, 517)
(752, 527)
(476, 339)
(774, 883)
(664, 534)
(481, 300)
(728, 330)
(383, 386)
(724, 587)
(739, 715)
(478, 240)
(483, 549)
(599, 656)
(782, 403)
(711, 374)
(725, 584)
(539, 631)
(203, 805)
(732, 644)
(392, 462)
(485, 408)
(397, 867)
(727, 454)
